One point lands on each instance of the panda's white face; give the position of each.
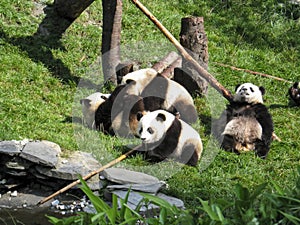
(152, 127)
(249, 93)
(139, 75)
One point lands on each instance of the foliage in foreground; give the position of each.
(247, 207)
(114, 214)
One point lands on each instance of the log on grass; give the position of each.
(165, 62)
(170, 70)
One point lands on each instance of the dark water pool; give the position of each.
(26, 216)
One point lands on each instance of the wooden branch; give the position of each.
(252, 72)
(169, 71)
(161, 65)
(115, 161)
(206, 75)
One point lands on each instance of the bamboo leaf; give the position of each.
(293, 219)
(213, 215)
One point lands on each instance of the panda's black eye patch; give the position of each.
(150, 130)
(251, 89)
(141, 130)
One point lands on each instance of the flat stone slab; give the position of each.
(41, 152)
(78, 163)
(10, 147)
(135, 198)
(124, 176)
(148, 188)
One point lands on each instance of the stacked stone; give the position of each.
(39, 165)
(120, 181)
(32, 170)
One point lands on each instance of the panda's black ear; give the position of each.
(295, 85)
(237, 86)
(128, 81)
(139, 115)
(262, 90)
(86, 102)
(161, 117)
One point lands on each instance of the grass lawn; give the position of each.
(43, 77)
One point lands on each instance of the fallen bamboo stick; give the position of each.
(206, 75)
(113, 162)
(252, 72)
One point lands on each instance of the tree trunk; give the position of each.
(194, 40)
(111, 38)
(71, 9)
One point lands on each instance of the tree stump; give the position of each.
(193, 38)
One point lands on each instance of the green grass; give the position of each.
(39, 76)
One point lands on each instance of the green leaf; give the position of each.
(123, 202)
(98, 203)
(157, 200)
(242, 192)
(293, 219)
(277, 188)
(257, 191)
(163, 216)
(213, 215)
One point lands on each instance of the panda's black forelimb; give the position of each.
(265, 119)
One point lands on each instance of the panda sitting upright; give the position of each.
(164, 137)
(246, 123)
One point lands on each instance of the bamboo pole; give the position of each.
(252, 72)
(113, 162)
(206, 75)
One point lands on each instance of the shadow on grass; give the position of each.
(39, 45)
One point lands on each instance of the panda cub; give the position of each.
(164, 136)
(294, 93)
(246, 123)
(118, 114)
(161, 93)
(90, 105)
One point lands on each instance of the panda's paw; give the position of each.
(261, 150)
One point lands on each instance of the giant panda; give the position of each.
(90, 105)
(294, 93)
(117, 115)
(246, 124)
(165, 137)
(161, 92)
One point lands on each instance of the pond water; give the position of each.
(26, 216)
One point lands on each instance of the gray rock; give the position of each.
(123, 176)
(17, 173)
(172, 200)
(10, 147)
(148, 188)
(135, 198)
(78, 163)
(41, 152)
(18, 164)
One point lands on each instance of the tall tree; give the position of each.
(111, 34)
(111, 38)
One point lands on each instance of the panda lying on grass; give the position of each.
(142, 90)
(246, 124)
(166, 137)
